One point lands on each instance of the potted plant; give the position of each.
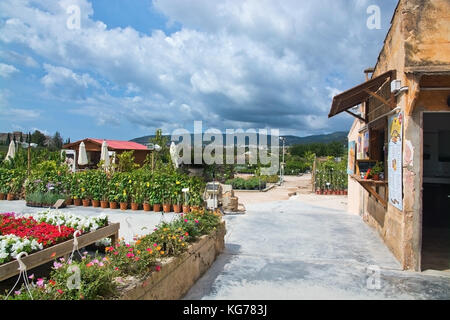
(123, 200)
(186, 208)
(377, 170)
(176, 204)
(137, 196)
(104, 199)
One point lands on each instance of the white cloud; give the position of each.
(19, 115)
(6, 70)
(252, 63)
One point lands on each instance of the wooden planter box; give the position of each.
(38, 258)
(177, 274)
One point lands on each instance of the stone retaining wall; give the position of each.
(178, 274)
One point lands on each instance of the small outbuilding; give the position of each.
(115, 147)
(399, 143)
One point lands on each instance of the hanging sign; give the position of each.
(351, 157)
(395, 165)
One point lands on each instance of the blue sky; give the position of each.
(135, 66)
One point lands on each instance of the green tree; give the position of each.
(56, 141)
(163, 155)
(38, 138)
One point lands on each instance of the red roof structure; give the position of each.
(93, 144)
(121, 145)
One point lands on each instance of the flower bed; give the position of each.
(104, 277)
(33, 232)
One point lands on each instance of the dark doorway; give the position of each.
(436, 192)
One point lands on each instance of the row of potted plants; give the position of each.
(139, 188)
(331, 192)
(156, 207)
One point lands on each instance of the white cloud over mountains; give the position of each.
(249, 63)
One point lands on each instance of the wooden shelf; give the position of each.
(369, 185)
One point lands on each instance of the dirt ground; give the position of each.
(295, 188)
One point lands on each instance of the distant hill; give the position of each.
(340, 136)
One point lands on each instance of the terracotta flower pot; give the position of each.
(95, 203)
(2, 196)
(10, 196)
(186, 209)
(123, 205)
(176, 208)
(69, 202)
(157, 207)
(104, 204)
(134, 206)
(146, 206)
(77, 202)
(113, 205)
(86, 202)
(166, 207)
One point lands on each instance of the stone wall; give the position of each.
(418, 41)
(178, 274)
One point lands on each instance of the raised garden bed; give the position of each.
(177, 274)
(10, 269)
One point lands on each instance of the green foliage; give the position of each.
(253, 183)
(331, 174)
(334, 148)
(126, 162)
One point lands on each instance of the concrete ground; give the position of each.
(131, 222)
(308, 247)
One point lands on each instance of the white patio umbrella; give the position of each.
(105, 155)
(11, 151)
(82, 156)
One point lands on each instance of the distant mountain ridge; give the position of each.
(339, 136)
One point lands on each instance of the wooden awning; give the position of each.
(359, 94)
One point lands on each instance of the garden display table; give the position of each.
(38, 258)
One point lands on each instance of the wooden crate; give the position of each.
(33, 260)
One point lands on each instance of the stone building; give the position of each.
(402, 120)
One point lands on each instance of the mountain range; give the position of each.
(339, 136)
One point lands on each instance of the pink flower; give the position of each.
(31, 277)
(57, 265)
(115, 268)
(131, 249)
(60, 291)
(17, 292)
(40, 282)
(105, 259)
(101, 264)
(137, 258)
(196, 221)
(130, 255)
(155, 244)
(158, 268)
(95, 261)
(127, 244)
(185, 220)
(85, 253)
(116, 253)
